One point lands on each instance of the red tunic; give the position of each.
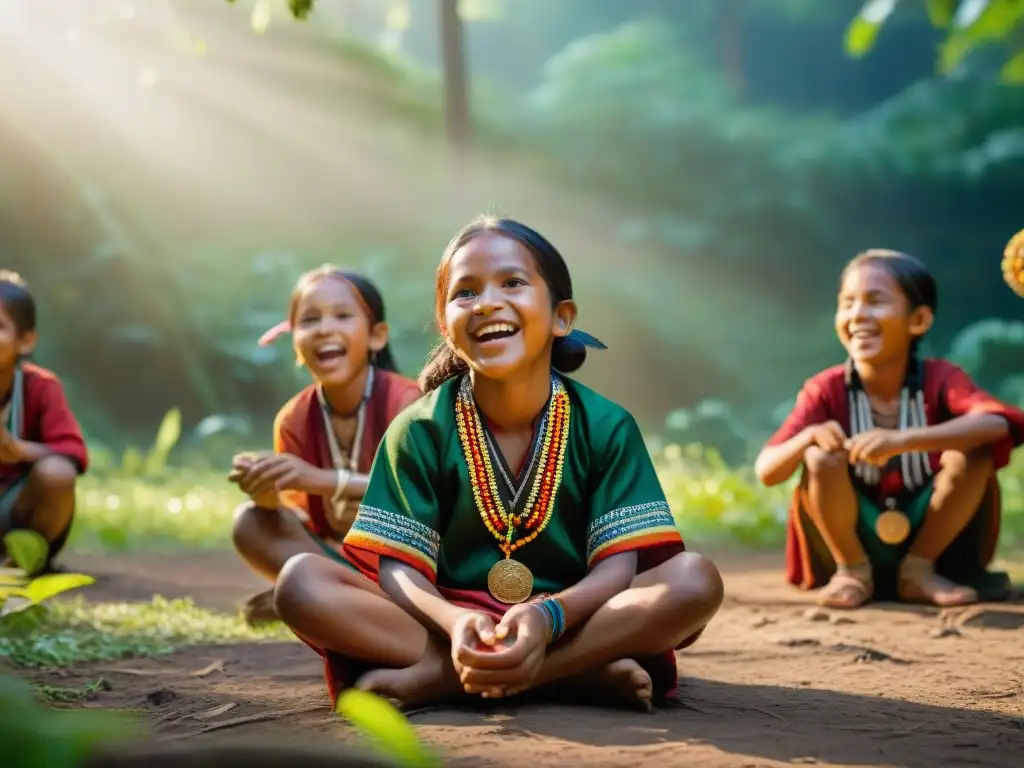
(47, 419)
(948, 393)
(299, 430)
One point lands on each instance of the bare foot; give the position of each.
(621, 682)
(935, 590)
(259, 609)
(430, 680)
(845, 591)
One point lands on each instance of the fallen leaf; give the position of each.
(136, 672)
(209, 669)
(215, 712)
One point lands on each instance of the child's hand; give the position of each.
(240, 466)
(244, 460)
(472, 634)
(241, 463)
(278, 472)
(876, 446)
(508, 670)
(474, 631)
(10, 449)
(828, 436)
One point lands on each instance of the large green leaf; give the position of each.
(27, 549)
(863, 30)
(969, 12)
(940, 12)
(978, 22)
(1013, 70)
(51, 585)
(12, 577)
(32, 735)
(386, 727)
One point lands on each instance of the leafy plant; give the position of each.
(33, 735)
(154, 461)
(19, 587)
(969, 25)
(65, 632)
(386, 728)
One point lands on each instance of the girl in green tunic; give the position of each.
(513, 533)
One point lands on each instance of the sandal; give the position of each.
(845, 591)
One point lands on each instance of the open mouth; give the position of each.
(495, 332)
(863, 334)
(326, 353)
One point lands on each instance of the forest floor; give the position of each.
(773, 681)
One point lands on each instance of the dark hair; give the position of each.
(911, 275)
(16, 300)
(369, 298)
(918, 285)
(567, 354)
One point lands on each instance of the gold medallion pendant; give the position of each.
(510, 581)
(524, 518)
(892, 527)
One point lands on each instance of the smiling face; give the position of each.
(498, 313)
(13, 344)
(332, 334)
(874, 320)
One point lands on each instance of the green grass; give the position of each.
(70, 631)
(192, 508)
(187, 508)
(58, 695)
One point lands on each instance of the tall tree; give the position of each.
(458, 123)
(458, 126)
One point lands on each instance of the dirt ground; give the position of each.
(772, 682)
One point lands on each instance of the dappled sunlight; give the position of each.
(195, 131)
(707, 168)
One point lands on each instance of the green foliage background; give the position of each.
(706, 193)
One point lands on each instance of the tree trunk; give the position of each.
(456, 87)
(732, 44)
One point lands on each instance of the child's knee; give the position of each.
(959, 463)
(245, 530)
(254, 527)
(302, 576)
(821, 463)
(53, 476)
(695, 585)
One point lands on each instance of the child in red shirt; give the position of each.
(304, 495)
(898, 497)
(41, 447)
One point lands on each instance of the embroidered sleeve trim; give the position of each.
(630, 528)
(398, 536)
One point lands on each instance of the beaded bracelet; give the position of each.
(554, 612)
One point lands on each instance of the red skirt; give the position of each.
(341, 672)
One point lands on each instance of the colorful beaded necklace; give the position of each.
(509, 580)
